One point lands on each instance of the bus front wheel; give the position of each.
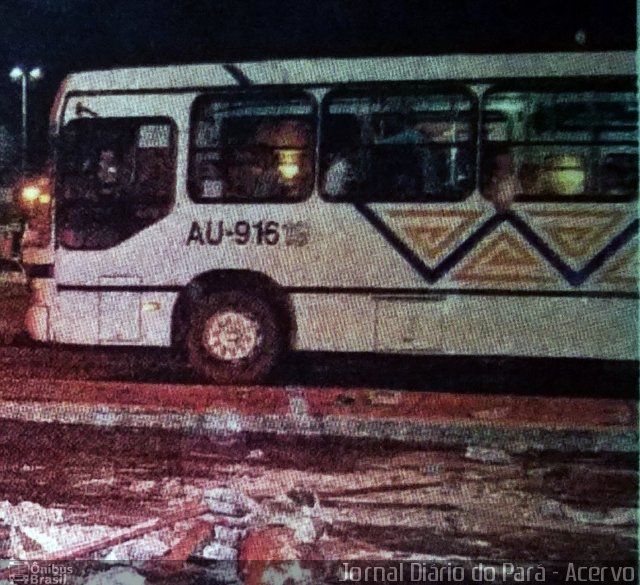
(234, 338)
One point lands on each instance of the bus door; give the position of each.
(116, 177)
(119, 309)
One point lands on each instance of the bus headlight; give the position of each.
(34, 194)
(38, 293)
(33, 197)
(30, 193)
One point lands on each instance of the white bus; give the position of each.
(460, 204)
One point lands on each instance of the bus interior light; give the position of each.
(289, 171)
(288, 165)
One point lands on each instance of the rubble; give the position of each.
(29, 514)
(609, 517)
(550, 508)
(612, 517)
(217, 551)
(229, 502)
(485, 455)
(270, 541)
(143, 487)
(32, 542)
(272, 555)
(187, 537)
(228, 535)
(38, 533)
(117, 576)
(377, 502)
(141, 549)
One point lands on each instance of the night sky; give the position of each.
(71, 35)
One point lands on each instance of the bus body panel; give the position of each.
(360, 70)
(469, 325)
(542, 279)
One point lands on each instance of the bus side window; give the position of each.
(397, 146)
(563, 144)
(152, 181)
(502, 181)
(262, 148)
(618, 173)
(117, 178)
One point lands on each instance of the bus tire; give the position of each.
(234, 337)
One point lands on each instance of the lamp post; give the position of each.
(19, 75)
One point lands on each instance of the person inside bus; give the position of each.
(340, 177)
(276, 164)
(110, 211)
(253, 173)
(342, 142)
(265, 181)
(619, 173)
(150, 188)
(414, 165)
(81, 209)
(107, 173)
(110, 187)
(503, 184)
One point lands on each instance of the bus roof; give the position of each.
(335, 71)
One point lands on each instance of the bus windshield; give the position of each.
(115, 177)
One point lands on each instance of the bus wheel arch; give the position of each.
(238, 308)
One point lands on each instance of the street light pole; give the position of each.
(18, 74)
(24, 123)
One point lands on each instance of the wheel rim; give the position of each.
(230, 336)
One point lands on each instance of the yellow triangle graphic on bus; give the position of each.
(578, 235)
(504, 259)
(433, 233)
(622, 270)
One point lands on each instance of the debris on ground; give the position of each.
(145, 548)
(228, 519)
(222, 500)
(225, 525)
(116, 576)
(611, 517)
(29, 514)
(485, 455)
